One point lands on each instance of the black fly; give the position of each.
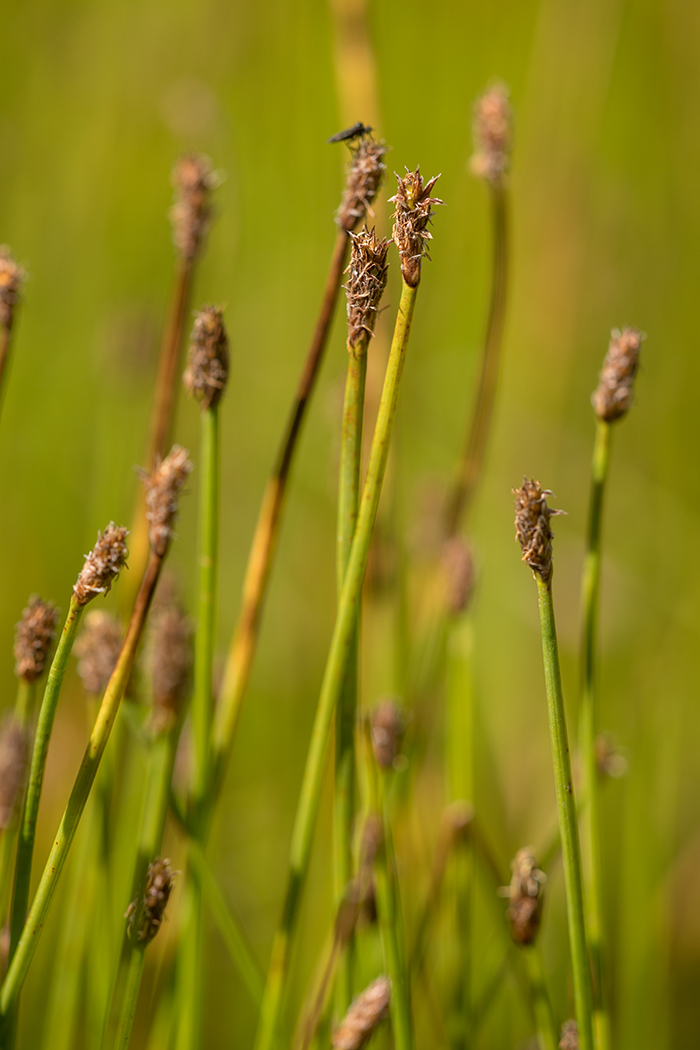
(356, 131)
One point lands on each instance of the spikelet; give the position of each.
(13, 767)
(532, 528)
(458, 570)
(493, 133)
(97, 649)
(388, 727)
(413, 212)
(364, 1015)
(208, 360)
(363, 178)
(368, 271)
(569, 1036)
(172, 666)
(163, 489)
(193, 180)
(160, 880)
(613, 396)
(525, 896)
(103, 564)
(12, 278)
(34, 636)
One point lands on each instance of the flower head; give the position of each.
(103, 564)
(163, 489)
(365, 1013)
(35, 633)
(615, 390)
(368, 272)
(493, 133)
(12, 278)
(413, 212)
(364, 175)
(98, 649)
(193, 180)
(207, 365)
(525, 896)
(532, 527)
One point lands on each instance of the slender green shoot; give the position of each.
(544, 1018)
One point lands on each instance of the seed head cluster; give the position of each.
(388, 728)
(525, 896)
(193, 180)
(413, 211)
(493, 134)
(14, 753)
(103, 564)
(364, 1015)
(172, 665)
(159, 883)
(569, 1036)
(368, 272)
(532, 527)
(11, 280)
(98, 649)
(35, 634)
(458, 569)
(163, 489)
(613, 396)
(208, 360)
(363, 179)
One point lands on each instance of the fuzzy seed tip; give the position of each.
(103, 564)
(532, 528)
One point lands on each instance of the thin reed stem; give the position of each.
(341, 643)
(24, 705)
(17, 971)
(471, 462)
(544, 1018)
(566, 804)
(132, 987)
(590, 818)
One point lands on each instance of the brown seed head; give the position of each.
(413, 211)
(35, 633)
(368, 272)
(103, 564)
(365, 1013)
(12, 278)
(458, 568)
(569, 1036)
(525, 896)
(163, 488)
(363, 178)
(609, 760)
(193, 180)
(388, 728)
(532, 526)
(172, 666)
(98, 649)
(159, 883)
(613, 397)
(14, 754)
(207, 364)
(493, 133)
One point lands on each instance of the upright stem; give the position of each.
(264, 545)
(544, 1018)
(590, 592)
(568, 827)
(348, 503)
(341, 642)
(5, 342)
(471, 462)
(46, 889)
(24, 704)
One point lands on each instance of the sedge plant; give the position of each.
(11, 282)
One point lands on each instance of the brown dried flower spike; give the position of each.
(388, 728)
(532, 526)
(97, 649)
(11, 280)
(413, 211)
(193, 180)
(363, 179)
(569, 1036)
(159, 883)
(525, 895)
(35, 633)
(493, 132)
(365, 1013)
(13, 767)
(613, 396)
(368, 271)
(172, 666)
(207, 364)
(103, 564)
(163, 488)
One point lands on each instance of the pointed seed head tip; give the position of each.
(14, 756)
(493, 134)
(363, 179)
(532, 529)
(364, 1015)
(206, 374)
(12, 278)
(613, 396)
(103, 564)
(569, 1036)
(34, 636)
(193, 180)
(163, 489)
(368, 271)
(411, 218)
(525, 897)
(98, 649)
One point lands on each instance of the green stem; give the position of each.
(544, 1018)
(17, 972)
(590, 594)
(568, 827)
(189, 977)
(348, 503)
(341, 643)
(130, 999)
(27, 832)
(24, 705)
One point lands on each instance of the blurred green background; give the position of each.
(97, 101)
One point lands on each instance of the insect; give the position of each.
(356, 131)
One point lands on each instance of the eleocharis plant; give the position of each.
(163, 487)
(413, 211)
(611, 402)
(366, 282)
(11, 281)
(534, 534)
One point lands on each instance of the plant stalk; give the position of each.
(544, 1018)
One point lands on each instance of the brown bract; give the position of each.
(193, 180)
(163, 489)
(103, 564)
(98, 649)
(366, 1011)
(525, 895)
(172, 666)
(208, 360)
(493, 133)
(159, 883)
(569, 1036)
(532, 528)
(364, 176)
(368, 272)
(388, 728)
(615, 391)
(35, 633)
(411, 217)
(14, 752)
(11, 280)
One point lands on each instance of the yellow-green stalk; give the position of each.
(533, 531)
